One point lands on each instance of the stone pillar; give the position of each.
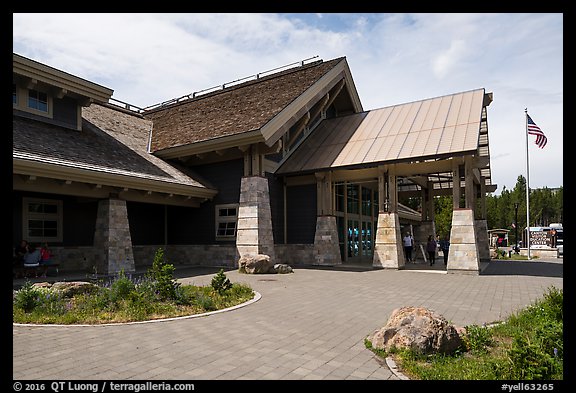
(388, 252)
(482, 240)
(254, 233)
(112, 241)
(326, 248)
(463, 256)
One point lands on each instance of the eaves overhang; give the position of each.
(104, 176)
(34, 70)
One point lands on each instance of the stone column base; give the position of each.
(463, 256)
(482, 240)
(326, 248)
(254, 233)
(112, 240)
(388, 251)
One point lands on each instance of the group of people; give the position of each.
(432, 247)
(31, 256)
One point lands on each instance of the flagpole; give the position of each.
(527, 188)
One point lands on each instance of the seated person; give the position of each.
(45, 259)
(32, 258)
(18, 261)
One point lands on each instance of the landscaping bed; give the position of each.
(120, 299)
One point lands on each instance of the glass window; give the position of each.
(339, 200)
(37, 100)
(14, 94)
(226, 221)
(366, 201)
(353, 198)
(42, 220)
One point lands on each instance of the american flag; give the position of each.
(533, 129)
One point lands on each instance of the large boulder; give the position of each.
(255, 264)
(418, 329)
(71, 288)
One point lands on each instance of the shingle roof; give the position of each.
(423, 129)
(234, 110)
(111, 141)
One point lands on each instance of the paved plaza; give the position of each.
(308, 325)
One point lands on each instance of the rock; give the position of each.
(255, 264)
(282, 268)
(42, 285)
(72, 288)
(419, 329)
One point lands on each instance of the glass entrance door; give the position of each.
(354, 208)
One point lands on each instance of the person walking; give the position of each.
(408, 242)
(445, 247)
(431, 248)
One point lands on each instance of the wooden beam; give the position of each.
(299, 127)
(334, 92)
(60, 92)
(31, 83)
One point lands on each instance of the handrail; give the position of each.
(228, 84)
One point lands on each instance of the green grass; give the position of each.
(527, 346)
(124, 300)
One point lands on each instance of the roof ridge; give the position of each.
(191, 97)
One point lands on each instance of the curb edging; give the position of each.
(257, 296)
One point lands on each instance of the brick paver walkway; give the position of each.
(308, 325)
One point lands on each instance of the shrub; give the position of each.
(477, 338)
(121, 287)
(205, 301)
(162, 274)
(220, 283)
(27, 297)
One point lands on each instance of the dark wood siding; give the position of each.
(197, 225)
(146, 223)
(16, 218)
(276, 189)
(301, 214)
(65, 112)
(79, 221)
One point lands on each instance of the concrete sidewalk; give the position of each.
(308, 325)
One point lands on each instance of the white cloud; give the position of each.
(394, 58)
(445, 62)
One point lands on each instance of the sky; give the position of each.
(394, 58)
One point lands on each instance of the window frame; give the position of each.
(22, 94)
(27, 216)
(37, 100)
(225, 219)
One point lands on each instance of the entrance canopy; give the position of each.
(421, 131)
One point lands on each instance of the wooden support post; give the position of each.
(382, 203)
(455, 185)
(324, 193)
(392, 189)
(430, 200)
(469, 183)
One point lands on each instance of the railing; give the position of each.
(229, 84)
(125, 105)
